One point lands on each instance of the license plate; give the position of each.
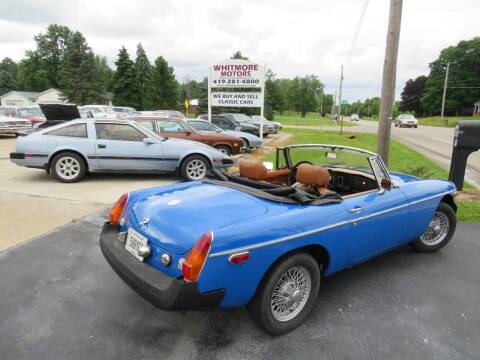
(134, 242)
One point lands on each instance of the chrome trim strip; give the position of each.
(323, 228)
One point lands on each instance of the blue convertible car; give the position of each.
(265, 238)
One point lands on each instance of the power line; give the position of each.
(357, 31)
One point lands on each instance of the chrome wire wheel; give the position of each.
(196, 169)
(291, 293)
(437, 230)
(67, 168)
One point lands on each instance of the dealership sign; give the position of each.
(237, 74)
(240, 99)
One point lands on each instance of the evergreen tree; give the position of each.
(412, 93)
(163, 87)
(7, 83)
(203, 97)
(124, 84)
(78, 76)
(104, 72)
(143, 69)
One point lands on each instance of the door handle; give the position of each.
(356, 209)
(102, 146)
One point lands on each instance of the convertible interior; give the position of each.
(316, 180)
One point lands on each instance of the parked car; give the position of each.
(12, 125)
(266, 239)
(258, 118)
(164, 113)
(406, 120)
(242, 118)
(228, 123)
(100, 111)
(72, 149)
(8, 111)
(177, 128)
(32, 113)
(354, 117)
(125, 110)
(250, 141)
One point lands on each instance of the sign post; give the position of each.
(233, 74)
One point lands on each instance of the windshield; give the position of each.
(242, 117)
(407, 116)
(36, 111)
(204, 126)
(331, 157)
(94, 110)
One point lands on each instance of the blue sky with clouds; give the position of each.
(292, 38)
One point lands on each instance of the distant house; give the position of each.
(28, 98)
(476, 108)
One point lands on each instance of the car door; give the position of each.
(379, 219)
(122, 147)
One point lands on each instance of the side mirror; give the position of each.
(386, 184)
(268, 165)
(148, 141)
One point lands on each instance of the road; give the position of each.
(434, 142)
(61, 300)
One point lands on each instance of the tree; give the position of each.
(203, 97)
(104, 73)
(238, 55)
(143, 69)
(7, 83)
(327, 103)
(163, 87)
(10, 66)
(78, 73)
(464, 79)
(51, 47)
(304, 93)
(31, 74)
(411, 95)
(124, 85)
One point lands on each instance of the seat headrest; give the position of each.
(252, 170)
(312, 175)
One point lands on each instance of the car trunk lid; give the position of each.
(174, 220)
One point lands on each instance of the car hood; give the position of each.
(178, 216)
(241, 134)
(60, 111)
(193, 144)
(209, 136)
(11, 119)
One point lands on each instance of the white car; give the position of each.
(354, 117)
(100, 111)
(406, 120)
(12, 125)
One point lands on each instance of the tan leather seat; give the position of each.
(313, 175)
(258, 171)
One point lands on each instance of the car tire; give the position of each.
(225, 149)
(396, 125)
(439, 231)
(246, 143)
(416, 126)
(262, 308)
(68, 167)
(194, 167)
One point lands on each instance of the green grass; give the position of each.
(451, 121)
(310, 119)
(468, 210)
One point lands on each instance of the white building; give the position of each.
(28, 98)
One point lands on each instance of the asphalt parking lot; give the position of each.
(61, 300)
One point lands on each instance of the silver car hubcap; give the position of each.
(67, 168)
(196, 169)
(437, 230)
(291, 293)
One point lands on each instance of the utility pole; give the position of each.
(445, 92)
(389, 78)
(340, 100)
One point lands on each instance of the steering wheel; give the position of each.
(292, 177)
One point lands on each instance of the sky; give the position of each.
(293, 38)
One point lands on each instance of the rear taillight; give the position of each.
(117, 209)
(193, 264)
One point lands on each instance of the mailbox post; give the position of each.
(465, 141)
